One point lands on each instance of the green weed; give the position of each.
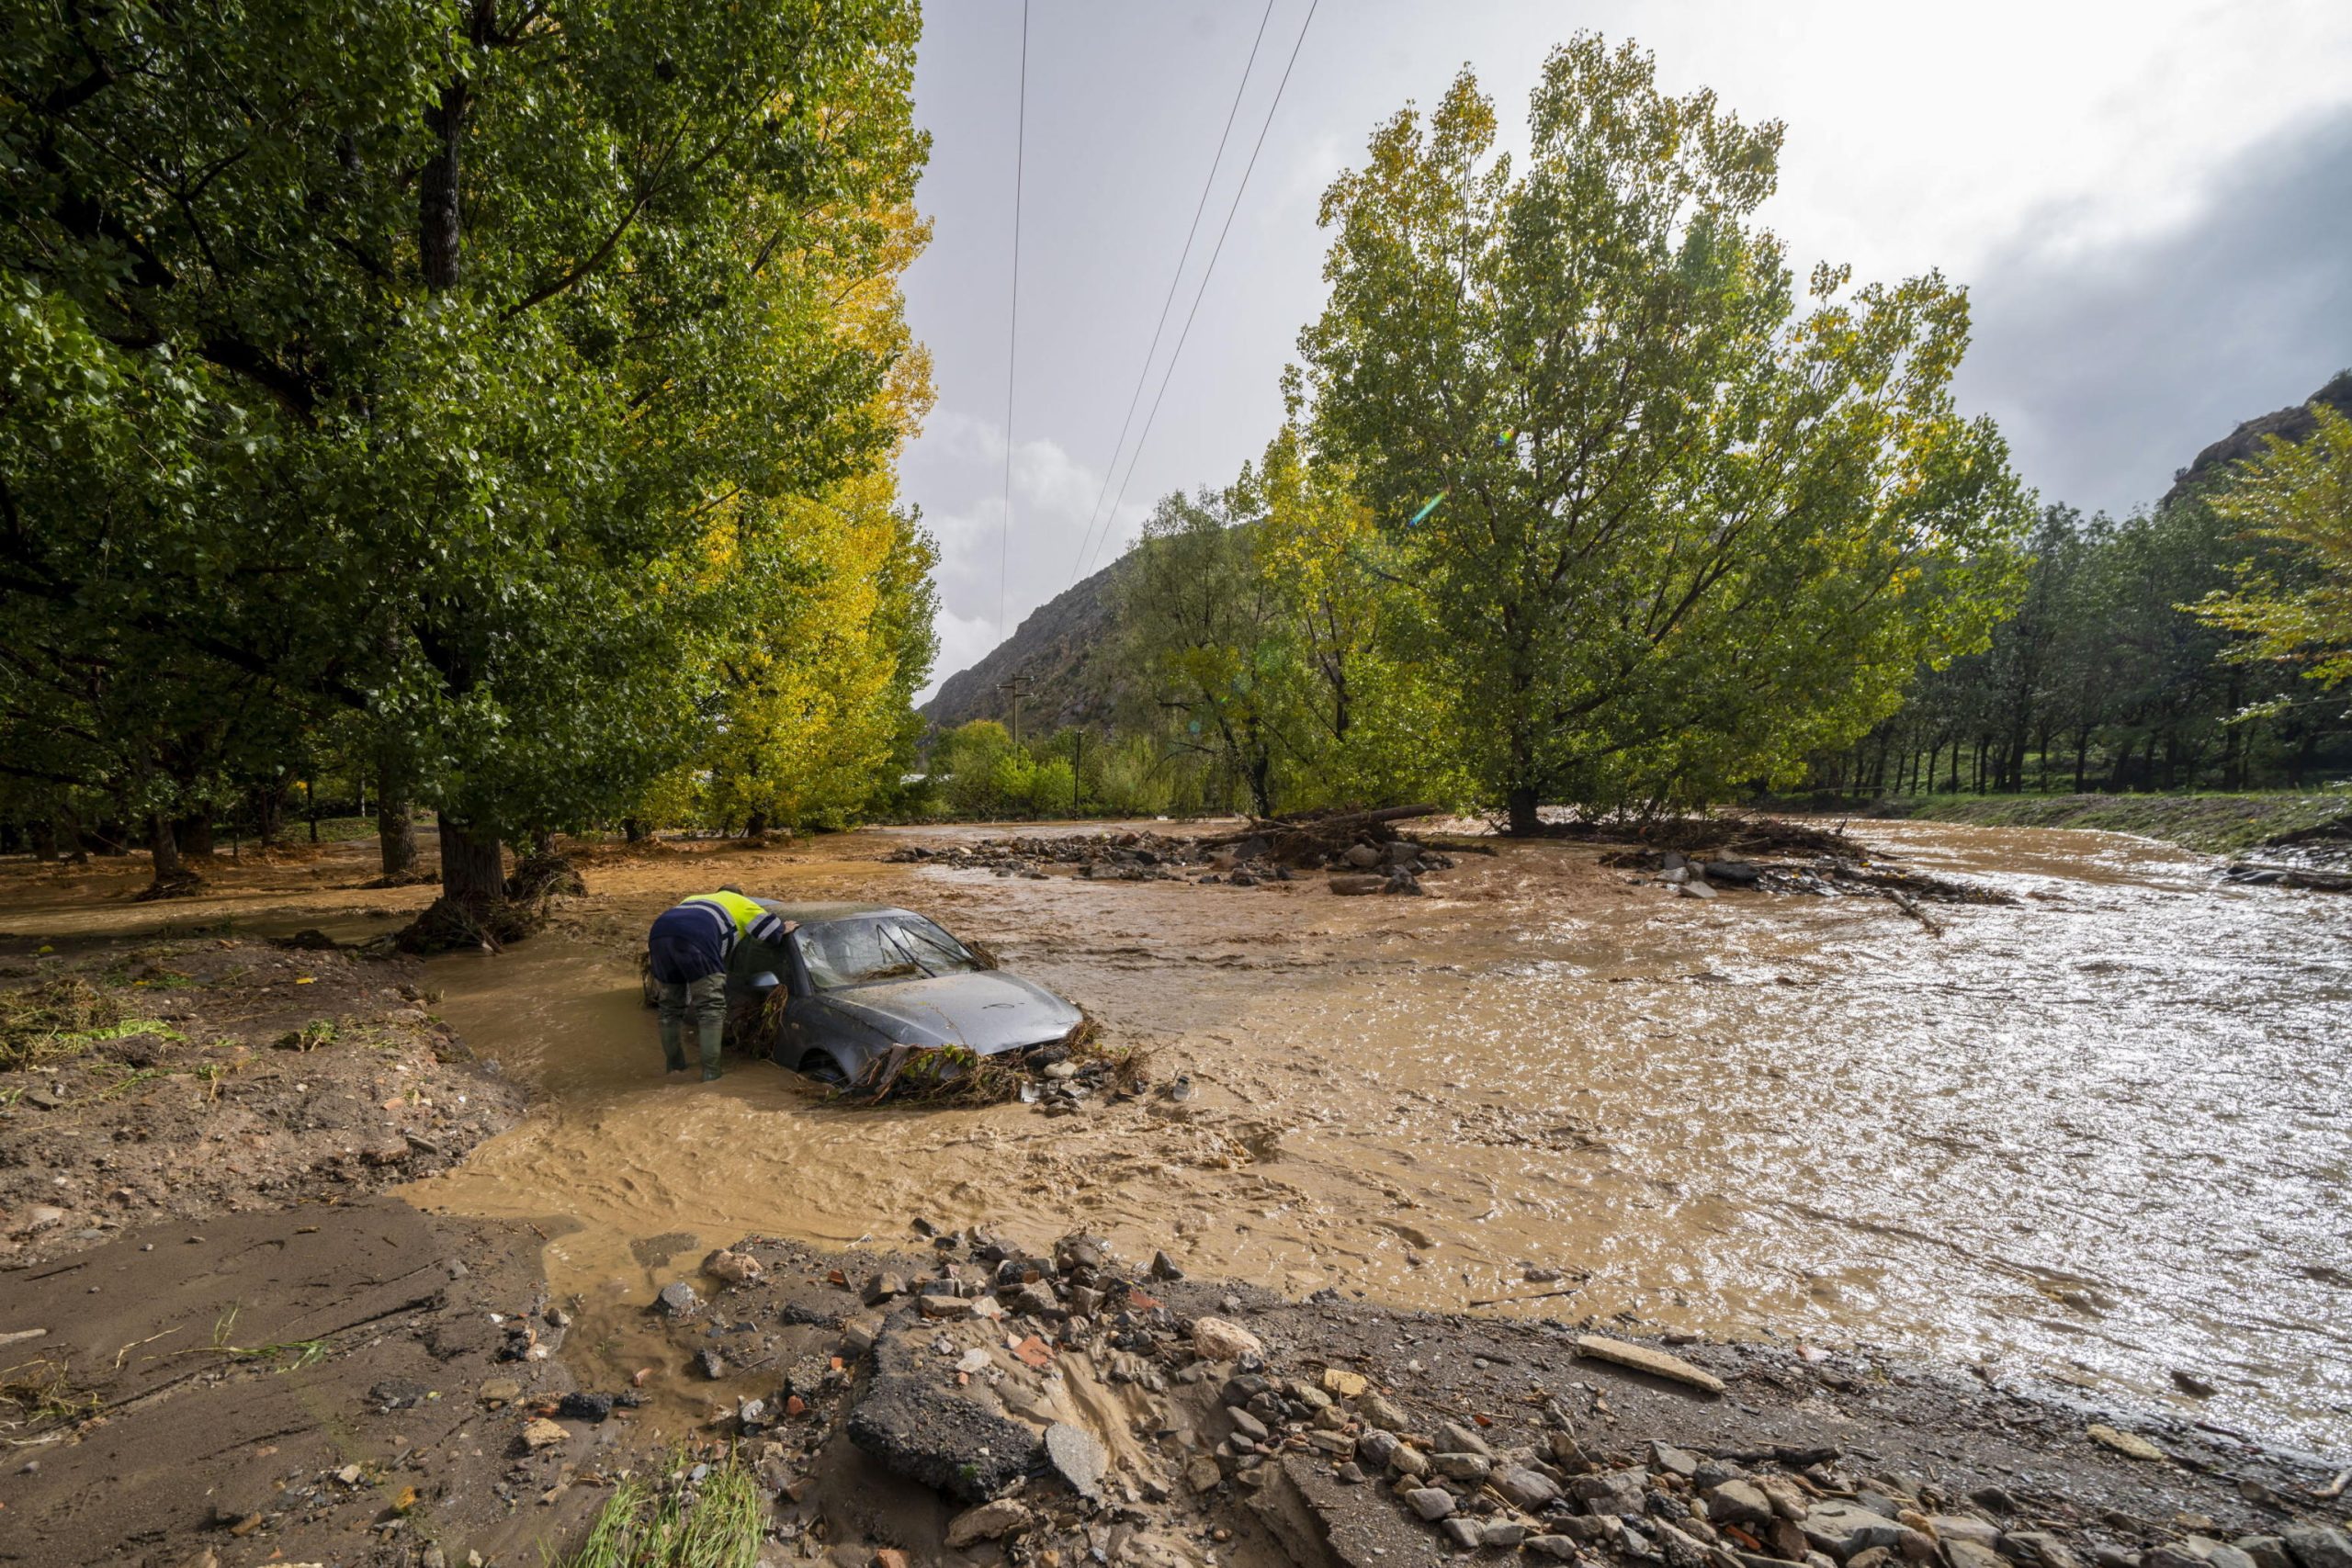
(716, 1522)
(61, 1018)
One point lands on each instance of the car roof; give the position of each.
(818, 914)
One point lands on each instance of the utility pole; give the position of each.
(1078, 770)
(1017, 685)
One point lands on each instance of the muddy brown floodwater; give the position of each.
(2096, 1137)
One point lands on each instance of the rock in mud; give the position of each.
(2129, 1444)
(1739, 1503)
(1529, 1489)
(2312, 1546)
(1841, 1528)
(2042, 1550)
(989, 1521)
(677, 1299)
(542, 1433)
(1215, 1339)
(710, 1363)
(732, 1268)
(1076, 1457)
(1358, 885)
(1430, 1502)
(932, 1434)
(1452, 1437)
(1641, 1358)
(1468, 1468)
(1613, 1492)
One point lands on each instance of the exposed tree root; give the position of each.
(448, 925)
(180, 883)
(538, 877)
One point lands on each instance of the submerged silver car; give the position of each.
(860, 978)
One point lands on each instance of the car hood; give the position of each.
(988, 1011)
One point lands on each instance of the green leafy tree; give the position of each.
(411, 349)
(1205, 629)
(2295, 607)
(1667, 531)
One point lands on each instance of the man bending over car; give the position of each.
(688, 949)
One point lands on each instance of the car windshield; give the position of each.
(879, 947)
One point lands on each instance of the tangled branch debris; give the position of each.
(1063, 1074)
(1362, 847)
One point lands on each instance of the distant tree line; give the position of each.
(489, 408)
(2194, 645)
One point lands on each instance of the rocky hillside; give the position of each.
(2245, 440)
(1066, 648)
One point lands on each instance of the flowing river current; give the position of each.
(2099, 1136)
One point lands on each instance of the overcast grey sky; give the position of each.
(2151, 201)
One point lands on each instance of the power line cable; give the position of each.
(1013, 331)
(1206, 273)
(1143, 372)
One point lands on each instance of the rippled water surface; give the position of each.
(2099, 1134)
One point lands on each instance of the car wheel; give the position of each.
(821, 1065)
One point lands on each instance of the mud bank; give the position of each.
(400, 1392)
(183, 1078)
(2214, 824)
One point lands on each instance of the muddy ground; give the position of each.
(180, 1078)
(230, 1347)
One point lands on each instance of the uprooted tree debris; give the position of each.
(1361, 850)
(1700, 857)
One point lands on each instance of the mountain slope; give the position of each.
(2245, 440)
(1069, 650)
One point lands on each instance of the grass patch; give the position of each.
(292, 1354)
(2215, 824)
(42, 1392)
(679, 1522)
(318, 1032)
(63, 1018)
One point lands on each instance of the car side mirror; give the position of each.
(766, 980)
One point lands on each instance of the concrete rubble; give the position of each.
(1064, 1413)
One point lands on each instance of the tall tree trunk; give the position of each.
(194, 834)
(1262, 785)
(43, 833)
(633, 830)
(1525, 823)
(396, 847)
(171, 873)
(757, 828)
(473, 871)
(2082, 755)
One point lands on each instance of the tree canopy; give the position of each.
(1665, 531)
(479, 369)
